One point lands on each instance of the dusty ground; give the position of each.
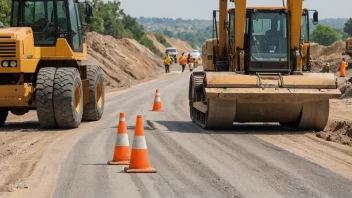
(29, 154)
(338, 127)
(249, 161)
(258, 160)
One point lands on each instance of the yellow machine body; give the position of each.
(17, 43)
(349, 46)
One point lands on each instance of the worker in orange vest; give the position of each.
(183, 61)
(343, 66)
(190, 61)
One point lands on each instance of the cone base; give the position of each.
(119, 163)
(158, 110)
(143, 170)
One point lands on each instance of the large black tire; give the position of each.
(44, 97)
(93, 110)
(68, 98)
(3, 116)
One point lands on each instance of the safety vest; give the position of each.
(190, 59)
(343, 66)
(183, 60)
(167, 60)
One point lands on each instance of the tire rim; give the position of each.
(78, 99)
(99, 95)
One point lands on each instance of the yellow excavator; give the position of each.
(42, 68)
(257, 69)
(349, 46)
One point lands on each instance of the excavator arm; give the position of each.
(295, 8)
(222, 27)
(237, 47)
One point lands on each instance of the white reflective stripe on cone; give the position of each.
(123, 119)
(158, 94)
(139, 142)
(157, 99)
(122, 140)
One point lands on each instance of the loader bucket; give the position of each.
(298, 101)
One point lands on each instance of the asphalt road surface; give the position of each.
(190, 161)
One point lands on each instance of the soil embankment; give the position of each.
(124, 61)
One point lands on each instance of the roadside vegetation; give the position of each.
(109, 19)
(161, 39)
(196, 32)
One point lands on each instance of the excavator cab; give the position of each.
(267, 39)
(267, 42)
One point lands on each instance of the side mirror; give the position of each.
(89, 13)
(315, 18)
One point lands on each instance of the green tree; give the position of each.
(342, 32)
(161, 39)
(149, 44)
(133, 26)
(348, 27)
(168, 33)
(325, 35)
(5, 11)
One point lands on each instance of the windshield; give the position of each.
(39, 15)
(304, 29)
(269, 36)
(171, 50)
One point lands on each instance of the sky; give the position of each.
(202, 9)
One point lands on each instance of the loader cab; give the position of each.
(50, 20)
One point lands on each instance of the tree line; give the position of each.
(109, 19)
(326, 35)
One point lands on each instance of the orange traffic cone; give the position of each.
(157, 102)
(139, 157)
(122, 146)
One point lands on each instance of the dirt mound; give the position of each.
(322, 55)
(337, 131)
(182, 46)
(124, 61)
(157, 44)
(320, 50)
(346, 90)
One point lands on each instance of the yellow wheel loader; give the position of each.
(257, 69)
(41, 69)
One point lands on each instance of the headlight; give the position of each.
(13, 63)
(5, 63)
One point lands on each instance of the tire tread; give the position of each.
(44, 97)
